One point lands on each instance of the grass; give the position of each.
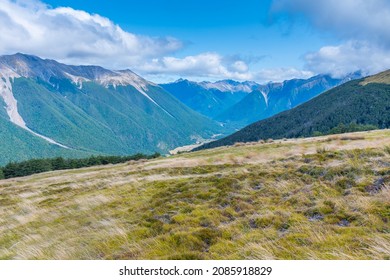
(383, 77)
(313, 198)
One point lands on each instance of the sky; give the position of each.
(258, 40)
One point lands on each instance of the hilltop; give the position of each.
(316, 198)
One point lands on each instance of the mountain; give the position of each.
(355, 105)
(48, 106)
(270, 99)
(209, 99)
(237, 104)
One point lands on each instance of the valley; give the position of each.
(358, 105)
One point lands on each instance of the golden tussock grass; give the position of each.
(314, 198)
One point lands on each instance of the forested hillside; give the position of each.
(353, 106)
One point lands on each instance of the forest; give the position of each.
(29, 167)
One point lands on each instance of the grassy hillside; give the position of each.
(381, 78)
(352, 104)
(314, 198)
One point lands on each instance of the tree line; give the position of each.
(33, 166)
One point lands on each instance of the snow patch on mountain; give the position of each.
(6, 79)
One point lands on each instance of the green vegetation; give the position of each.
(18, 144)
(318, 198)
(109, 120)
(49, 113)
(346, 108)
(280, 97)
(342, 128)
(94, 120)
(34, 166)
(208, 102)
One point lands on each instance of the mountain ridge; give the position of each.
(95, 110)
(208, 98)
(237, 104)
(272, 98)
(350, 106)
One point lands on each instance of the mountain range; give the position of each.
(356, 105)
(210, 99)
(52, 109)
(238, 104)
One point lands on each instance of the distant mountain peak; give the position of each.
(184, 81)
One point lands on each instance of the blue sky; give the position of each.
(259, 40)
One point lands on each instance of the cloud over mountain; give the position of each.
(361, 26)
(77, 37)
(74, 36)
(204, 64)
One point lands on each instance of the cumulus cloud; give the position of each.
(358, 19)
(201, 65)
(239, 66)
(281, 74)
(74, 36)
(213, 67)
(361, 25)
(77, 37)
(349, 57)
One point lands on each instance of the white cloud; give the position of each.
(349, 57)
(202, 65)
(74, 36)
(281, 74)
(77, 37)
(357, 19)
(214, 67)
(239, 66)
(361, 25)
